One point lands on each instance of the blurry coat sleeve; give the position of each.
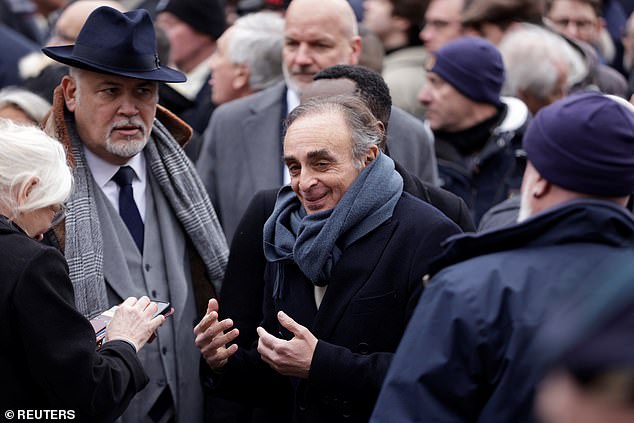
(436, 370)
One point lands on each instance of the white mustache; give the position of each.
(132, 122)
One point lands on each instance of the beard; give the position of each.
(131, 147)
(290, 82)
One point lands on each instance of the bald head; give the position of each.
(73, 18)
(318, 34)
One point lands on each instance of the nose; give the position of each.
(306, 180)
(213, 61)
(572, 29)
(303, 56)
(128, 106)
(424, 95)
(424, 34)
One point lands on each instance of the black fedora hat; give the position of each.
(117, 43)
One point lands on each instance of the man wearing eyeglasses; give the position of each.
(441, 24)
(578, 19)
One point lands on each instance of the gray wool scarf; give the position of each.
(315, 242)
(185, 193)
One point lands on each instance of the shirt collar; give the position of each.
(103, 171)
(292, 100)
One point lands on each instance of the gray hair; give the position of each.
(364, 127)
(26, 152)
(531, 55)
(34, 106)
(257, 41)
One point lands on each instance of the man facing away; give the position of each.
(139, 221)
(467, 354)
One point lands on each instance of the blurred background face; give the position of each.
(561, 400)
(628, 44)
(441, 24)
(186, 44)
(315, 38)
(377, 16)
(445, 107)
(72, 19)
(223, 72)
(577, 20)
(45, 7)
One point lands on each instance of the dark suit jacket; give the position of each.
(370, 296)
(47, 348)
(241, 152)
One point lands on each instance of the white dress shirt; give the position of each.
(102, 172)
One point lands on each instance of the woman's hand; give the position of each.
(134, 322)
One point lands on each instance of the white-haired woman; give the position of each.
(48, 359)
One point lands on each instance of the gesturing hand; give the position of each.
(211, 337)
(289, 358)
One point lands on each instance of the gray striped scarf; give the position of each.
(185, 193)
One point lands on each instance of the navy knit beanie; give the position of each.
(584, 143)
(205, 16)
(474, 67)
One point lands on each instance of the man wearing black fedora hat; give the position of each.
(137, 224)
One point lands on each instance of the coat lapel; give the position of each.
(261, 136)
(349, 276)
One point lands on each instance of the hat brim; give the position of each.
(64, 54)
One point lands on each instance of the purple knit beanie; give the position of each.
(473, 66)
(584, 143)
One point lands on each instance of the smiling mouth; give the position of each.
(314, 202)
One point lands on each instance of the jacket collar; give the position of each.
(578, 221)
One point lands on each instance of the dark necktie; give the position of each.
(127, 207)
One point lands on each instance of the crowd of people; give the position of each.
(357, 210)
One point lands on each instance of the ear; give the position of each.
(355, 53)
(26, 189)
(240, 78)
(69, 88)
(371, 155)
(381, 126)
(541, 187)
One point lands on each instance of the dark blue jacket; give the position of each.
(464, 357)
(494, 173)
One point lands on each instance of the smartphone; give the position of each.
(164, 308)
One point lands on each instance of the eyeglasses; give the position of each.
(580, 24)
(437, 24)
(59, 215)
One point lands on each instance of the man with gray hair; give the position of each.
(248, 57)
(344, 257)
(540, 65)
